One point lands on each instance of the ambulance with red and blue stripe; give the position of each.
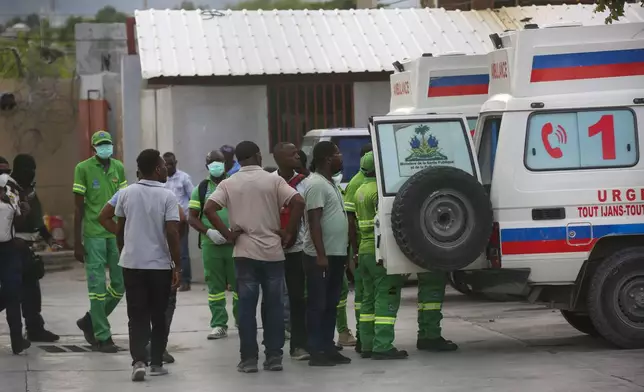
(560, 154)
(449, 83)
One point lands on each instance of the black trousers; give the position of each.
(295, 284)
(169, 312)
(147, 294)
(11, 283)
(31, 296)
(324, 286)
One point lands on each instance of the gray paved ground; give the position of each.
(504, 347)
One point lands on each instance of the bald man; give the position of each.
(216, 252)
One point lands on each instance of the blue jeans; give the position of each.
(11, 283)
(186, 272)
(251, 275)
(324, 287)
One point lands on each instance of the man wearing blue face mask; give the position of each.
(216, 252)
(96, 180)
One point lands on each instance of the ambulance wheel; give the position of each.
(616, 298)
(581, 322)
(442, 219)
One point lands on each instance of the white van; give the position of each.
(349, 140)
(559, 153)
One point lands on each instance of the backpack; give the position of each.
(202, 189)
(285, 212)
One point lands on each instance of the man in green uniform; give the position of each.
(381, 292)
(431, 292)
(96, 180)
(216, 252)
(354, 240)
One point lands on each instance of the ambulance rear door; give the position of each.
(404, 145)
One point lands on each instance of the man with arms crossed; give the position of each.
(254, 198)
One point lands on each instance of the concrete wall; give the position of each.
(370, 99)
(131, 113)
(100, 47)
(206, 118)
(44, 124)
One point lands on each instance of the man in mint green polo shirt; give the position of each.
(96, 180)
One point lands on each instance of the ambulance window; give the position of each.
(471, 123)
(487, 148)
(350, 147)
(581, 140)
(408, 147)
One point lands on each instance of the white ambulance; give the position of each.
(450, 83)
(559, 153)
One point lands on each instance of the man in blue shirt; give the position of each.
(180, 184)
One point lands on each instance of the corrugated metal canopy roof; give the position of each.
(223, 43)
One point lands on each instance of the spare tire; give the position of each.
(442, 219)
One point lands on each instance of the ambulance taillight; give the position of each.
(494, 247)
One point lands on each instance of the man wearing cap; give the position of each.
(96, 180)
(381, 295)
(232, 166)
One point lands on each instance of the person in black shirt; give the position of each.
(10, 268)
(29, 229)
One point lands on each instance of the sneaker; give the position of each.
(366, 354)
(42, 336)
(138, 372)
(320, 360)
(107, 347)
(273, 364)
(247, 366)
(218, 333)
(338, 358)
(346, 339)
(438, 344)
(338, 347)
(20, 345)
(300, 354)
(185, 287)
(156, 370)
(85, 324)
(394, 353)
(167, 358)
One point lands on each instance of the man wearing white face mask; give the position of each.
(96, 180)
(216, 252)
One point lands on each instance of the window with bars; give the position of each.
(296, 108)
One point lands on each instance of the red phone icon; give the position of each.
(547, 130)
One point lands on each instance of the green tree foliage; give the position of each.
(109, 14)
(614, 7)
(294, 5)
(190, 6)
(46, 51)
